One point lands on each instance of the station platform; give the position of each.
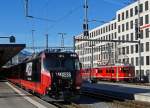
(123, 91)
(14, 97)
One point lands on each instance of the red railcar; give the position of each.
(113, 73)
(56, 74)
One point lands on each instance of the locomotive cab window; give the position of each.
(58, 62)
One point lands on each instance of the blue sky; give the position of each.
(67, 15)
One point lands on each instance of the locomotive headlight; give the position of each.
(129, 74)
(49, 88)
(78, 87)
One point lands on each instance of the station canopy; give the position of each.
(7, 51)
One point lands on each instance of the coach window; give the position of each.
(99, 71)
(112, 71)
(146, 5)
(107, 71)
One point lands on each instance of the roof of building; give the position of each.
(7, 51)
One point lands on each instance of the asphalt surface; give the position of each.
(17, 98)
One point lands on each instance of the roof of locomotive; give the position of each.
(48, 52)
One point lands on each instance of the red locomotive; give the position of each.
(52, 73)
(112, 73)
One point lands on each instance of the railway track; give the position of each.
(66, 105)
(117, 102)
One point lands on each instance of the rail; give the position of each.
(117, 101)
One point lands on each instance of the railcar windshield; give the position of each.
(61, 62)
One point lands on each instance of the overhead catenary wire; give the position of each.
(66, 16)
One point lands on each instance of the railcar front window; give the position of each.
(51, 63)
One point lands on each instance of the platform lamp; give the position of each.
(11, 38)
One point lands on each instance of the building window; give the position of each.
(127, 37)
(127, 14)
(131, 24)
(127, 26)
(146, 5)
(119, 51)
(136, 48)
(122, 27)
(111, 26)
(132, 49)
(122, 15)
(147, 60)
(132, 61)
(127, 49)
(147, 32)
(147, 46)
(115, 25)
(123, 50)
(115, 35)
(131, 12)
(141, 8)
(123, 38)
(142, 60)
(141, 21)
(119, 39)
(142, 47)
(118, 28)
(136, 10)
(131, 36)
(137, 61)
(141, 34)
(146, 19)
(118, 17)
